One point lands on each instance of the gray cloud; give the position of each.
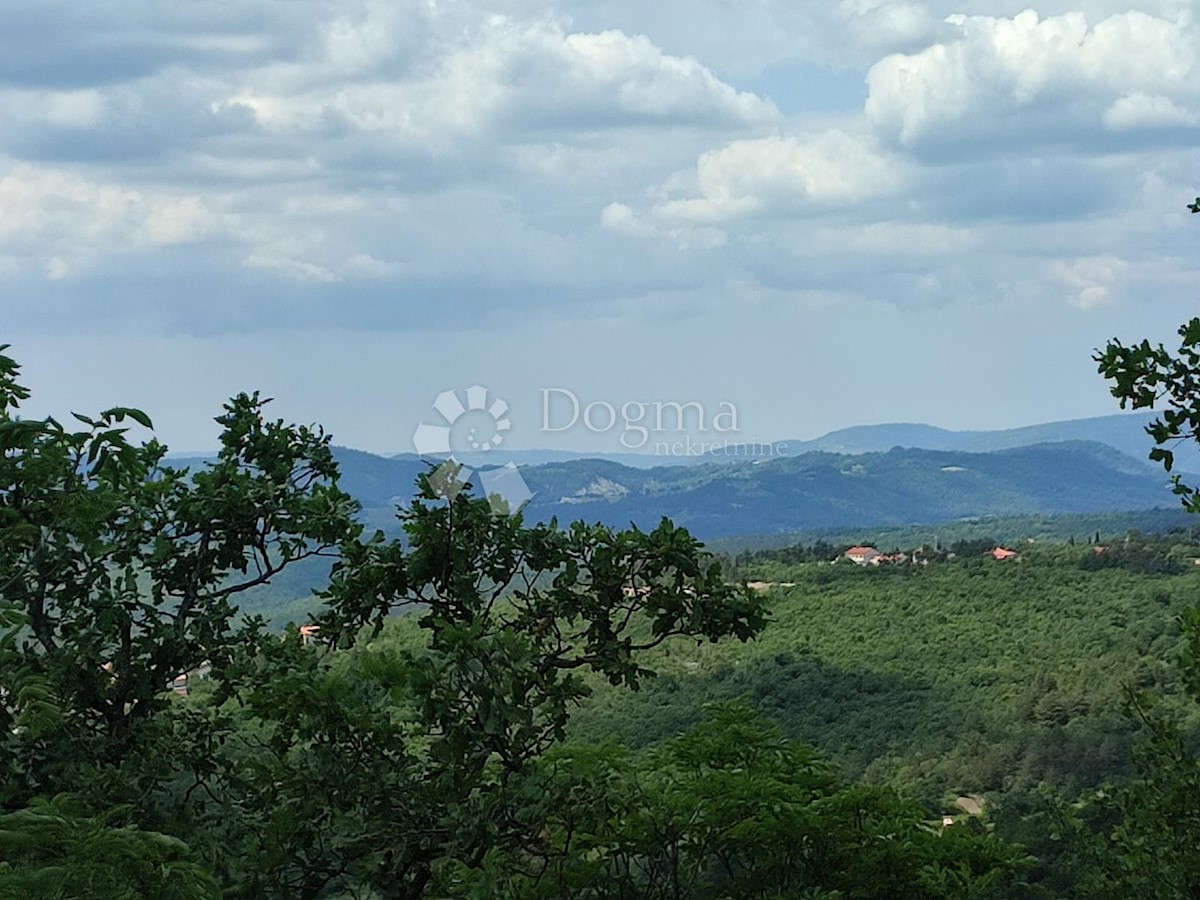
(260, 168)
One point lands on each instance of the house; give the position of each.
(862, 555)
(180, 683)
(1004, 553)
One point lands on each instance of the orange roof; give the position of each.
(1003, 553)
(860, 551)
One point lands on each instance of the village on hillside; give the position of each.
(867, 555)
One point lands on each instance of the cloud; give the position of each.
(746, 39)
(519, 76)
(1056, 78)
(784, 174)
(282, 261)
(1090, 281)
(61, 221)
(886, 25)
(1138, 110)
(58, 44)
(881, 239)
(393, 164)
(621, 219)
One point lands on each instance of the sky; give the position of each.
(821, 213)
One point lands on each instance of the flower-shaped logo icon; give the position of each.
(471, 423)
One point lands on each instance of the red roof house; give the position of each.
(862, 555)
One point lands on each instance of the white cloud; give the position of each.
(289, 267)
(621, 219)
(68, 109)
(887, 24)
(60, 220)
(1138, 110)
(1001, 71)
(364, 265)
(1090, 281)
(778, 174)
(520, 75)
(177, 220)
(422, 160)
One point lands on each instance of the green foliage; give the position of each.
(1145, 376)
(1140, 838)
(51, 851)
(733, 810)
(117, 574)
(1005, 529)
(420, 760)
(972, 676)
(512, 617)
(1145, 843)
(1137, 555)
(123, 569)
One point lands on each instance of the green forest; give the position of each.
(480, 706)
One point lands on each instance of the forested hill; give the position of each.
(823, 490)
(812, 491)
(809, 492)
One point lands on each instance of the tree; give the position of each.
(1151, 377)
(118, 572)
(511, 619)
(309, 769)
(732, 809)
(51, 850)
(1150, 833)
(419, 748)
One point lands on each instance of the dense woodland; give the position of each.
(484, 707)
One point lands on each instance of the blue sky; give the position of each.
(825, 213)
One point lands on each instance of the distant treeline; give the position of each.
(1082, 527)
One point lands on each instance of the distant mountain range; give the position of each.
(825, 490)
(812, 491)
(876, 475)
(1123, 432)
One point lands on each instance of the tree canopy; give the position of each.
(335, 761)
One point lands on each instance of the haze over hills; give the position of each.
(812, 491)
(876, 475)
(823, 490)
(1125, 432)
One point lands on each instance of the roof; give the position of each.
(860, 551)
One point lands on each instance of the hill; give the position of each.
(814, 491)
(876, 495)
(826, 490)
(1123, 432)
(973, 676)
